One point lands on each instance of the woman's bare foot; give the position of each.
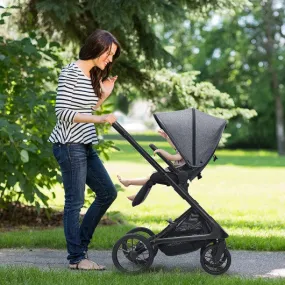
(123, 181)
(132, 197)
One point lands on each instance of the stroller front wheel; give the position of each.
(212, 266)
(147, 233)
(133, 253)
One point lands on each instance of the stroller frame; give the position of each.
(217, 234)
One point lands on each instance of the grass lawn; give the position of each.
(33, 276)
(242, 190)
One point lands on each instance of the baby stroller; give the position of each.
(196, 136)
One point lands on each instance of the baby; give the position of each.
(177, 158)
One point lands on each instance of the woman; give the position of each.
(83, 86)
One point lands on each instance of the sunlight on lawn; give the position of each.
(237, 197)
(248, 202)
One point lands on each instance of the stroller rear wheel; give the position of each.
(212, 266)
(133, 253)
(147, 233)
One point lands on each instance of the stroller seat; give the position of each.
(196, 144)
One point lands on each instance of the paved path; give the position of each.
(244, 263)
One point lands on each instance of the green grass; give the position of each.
(251, 158)
(33, 276)
(242, 190)
(248, 202)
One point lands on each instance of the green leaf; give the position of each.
(29, 49)
(5, 14)
(12, 180)
(119, 188)
(24, 156)
(42, 42)
(89, 191)
(54, 44)
(115, 147)
(32, 35)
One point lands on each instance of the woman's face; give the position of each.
(106, 57)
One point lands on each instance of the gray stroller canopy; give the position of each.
(195, 134)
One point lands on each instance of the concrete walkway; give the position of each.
(244, 263)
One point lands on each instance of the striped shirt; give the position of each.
(75, 94)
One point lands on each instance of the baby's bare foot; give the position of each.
(123, 181)
(132, 197)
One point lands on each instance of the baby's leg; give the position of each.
(134, 181)
(131, 197)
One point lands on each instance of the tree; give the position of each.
(132, 22)
(234, 55)
(29, 64)
(273, 27)
(176, 91)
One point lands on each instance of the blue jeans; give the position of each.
(80, 165)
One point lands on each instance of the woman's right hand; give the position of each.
(109, 118)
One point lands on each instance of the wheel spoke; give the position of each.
(208, 261)
(133, 253)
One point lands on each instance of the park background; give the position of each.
(225, 58)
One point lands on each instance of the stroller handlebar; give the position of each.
(146, 155)
(170, 164)
(153, 147)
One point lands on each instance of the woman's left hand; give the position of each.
(107, 86)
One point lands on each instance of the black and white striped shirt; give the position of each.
(75, 94)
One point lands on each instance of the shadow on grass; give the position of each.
(262, 225)
(107, 235)
(138, 137)
(250, 161)
(256, 243)
(238, 157)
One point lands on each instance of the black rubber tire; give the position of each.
(219, 267)
(141, 229)
(147, 231)
(142, 265)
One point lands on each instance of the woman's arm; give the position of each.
(63, 107)
(99, 103)
(84, 118)
(106, 89)
(167, 155)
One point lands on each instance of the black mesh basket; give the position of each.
(190, 224)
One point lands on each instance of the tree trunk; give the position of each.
(269, 46)
(280, 125)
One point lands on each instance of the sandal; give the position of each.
(86, 264)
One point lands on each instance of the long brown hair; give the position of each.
(95, 45)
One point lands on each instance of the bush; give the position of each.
(28, 67)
